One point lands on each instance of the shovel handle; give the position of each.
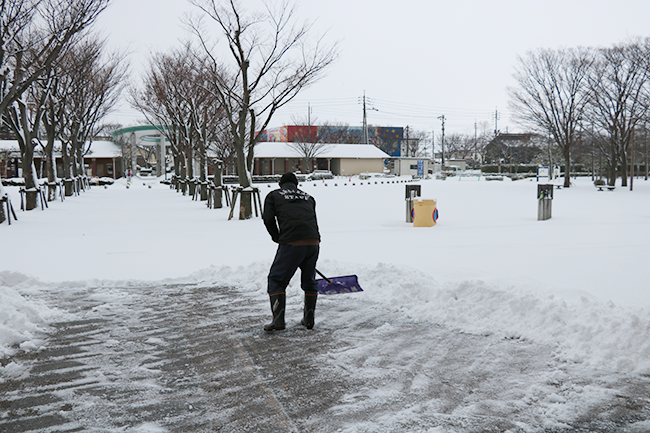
(324, 277)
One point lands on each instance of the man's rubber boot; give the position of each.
(278, 302)
(309, 312)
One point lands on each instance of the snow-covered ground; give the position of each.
(576, 283)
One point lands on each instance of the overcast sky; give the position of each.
(415, 59)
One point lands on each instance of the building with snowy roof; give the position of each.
(102, 159)
(388, 138)
(340, 159)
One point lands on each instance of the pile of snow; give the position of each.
(575, 282)
(586, 331)
(597, 334)
(22, 321)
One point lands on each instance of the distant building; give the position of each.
(340, 159)
(411, 166)
(103, 159)
(388, 139)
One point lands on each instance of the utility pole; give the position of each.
(309, 115)
(408, 143)
(442, 142)
(365, 120)
(475, 143)
(364, 139)
(496, 122)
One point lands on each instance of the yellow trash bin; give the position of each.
(425, 213)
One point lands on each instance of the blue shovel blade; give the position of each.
(346, 284)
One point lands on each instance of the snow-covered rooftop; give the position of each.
(284, 150)
(104, 149)
(9, 146)
(98, 149)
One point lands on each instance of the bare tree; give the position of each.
(459, 146)
(516, 149)
(220, 146)
(272, 61)
(552, 94)
(207, 122)
(619, 100)
(33, 34)
(307, 142)
(23, 116)
(410, 142)
(94, 82)
(175, 97)
(162, 101)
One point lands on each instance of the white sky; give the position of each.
(416, 60)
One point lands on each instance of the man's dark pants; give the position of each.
(287, 260)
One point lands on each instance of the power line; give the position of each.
(393, 112)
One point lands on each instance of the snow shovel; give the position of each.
(336, 285)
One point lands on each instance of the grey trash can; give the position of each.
(545, 198)
(412, 191)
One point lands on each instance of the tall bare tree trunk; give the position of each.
(622, 160)
(50, 167)
(567, 169)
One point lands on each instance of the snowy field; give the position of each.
(576, 283)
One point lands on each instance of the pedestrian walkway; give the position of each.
(186, 358)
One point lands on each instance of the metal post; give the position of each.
(442, 142)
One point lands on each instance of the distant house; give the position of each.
(514, 148)
(340, 159)
(103, 159)
(412, 166)
(9, 159)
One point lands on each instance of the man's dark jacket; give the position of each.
(295, 212)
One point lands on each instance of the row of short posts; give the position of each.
(214, 195)
(202, 191)
(196, 188)
(368, 182)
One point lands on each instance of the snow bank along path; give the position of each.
(576, 281)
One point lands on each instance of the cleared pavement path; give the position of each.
(185, 358)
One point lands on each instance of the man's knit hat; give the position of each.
(288, 178)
